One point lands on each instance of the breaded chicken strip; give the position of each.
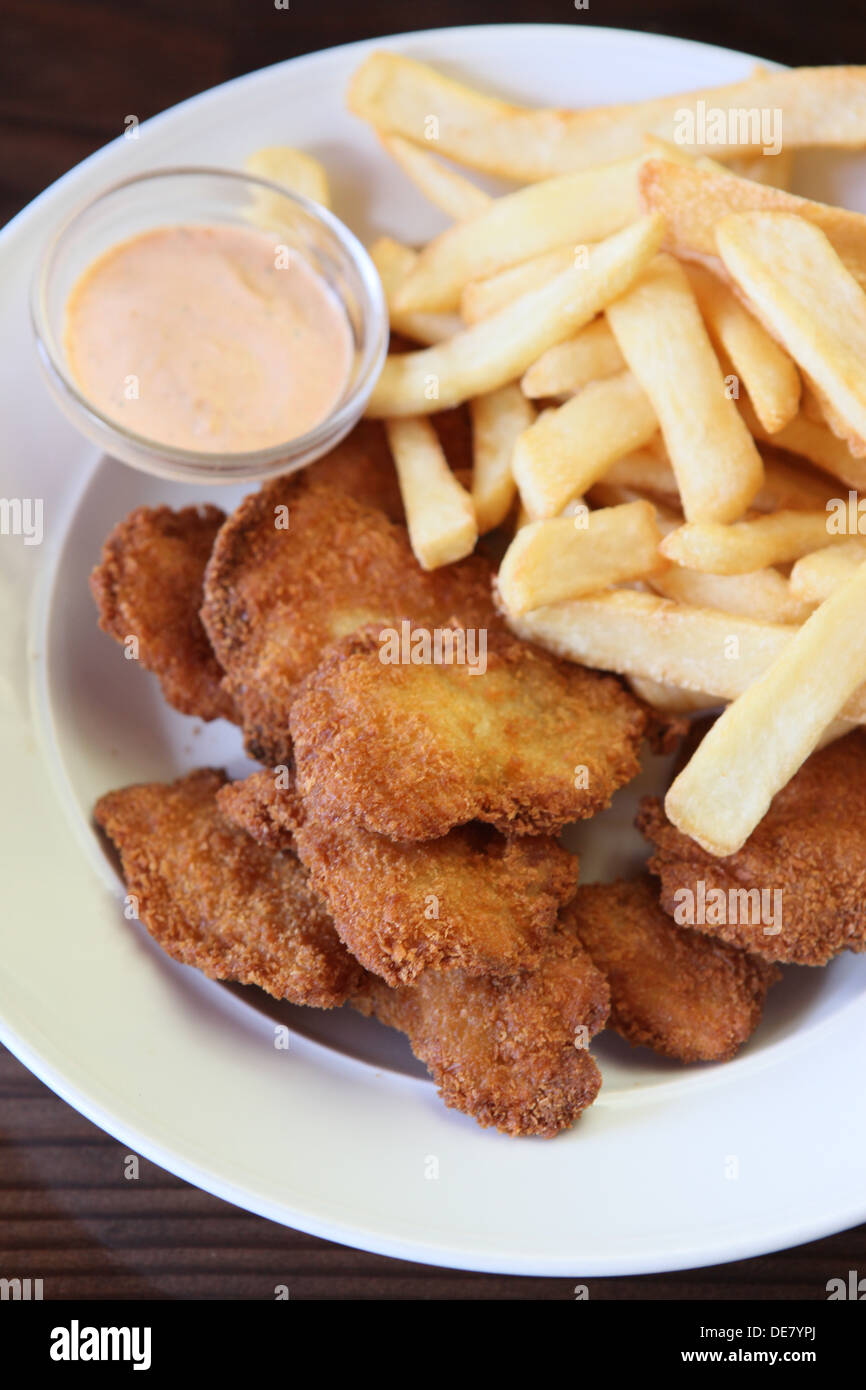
(410, 751)
(296, 567)
(807, 857)
(266, 805)
(212, 898)
(684, 995)
(148, 585)
(510, 1051)
(502, 1050)
(471, 900)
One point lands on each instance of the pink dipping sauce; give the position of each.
(208, 338)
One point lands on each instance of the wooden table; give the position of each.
(69, 74)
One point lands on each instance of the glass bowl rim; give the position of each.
(374, 317)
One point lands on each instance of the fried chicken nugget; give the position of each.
(803, 867)
(502, 1050)
(684, 995)
(511, 1051)
(277, 596)
(409, 751)
(471, 900)
(266, 805)
(212, 898)
(148, 585)
(361, 466)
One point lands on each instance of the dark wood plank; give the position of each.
(69, 1217)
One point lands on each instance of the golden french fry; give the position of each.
(788, 487)
(498, 418)
(609, 495)
(297, 171)
(439, 512)
(763, 594)
(393, 261)
(500, 349)
(577, 507)
(669, 699)
(766, 370)
(776, 170)
(811, 406)
(452, 193)
(817, 106)
(695, 200)
(748, 545)
(760, 741)
(816, 575)
(785, 486)
(645, 471)
(760, 167)
(571, 447)
(818, 408)
(605, 494)
(838, 728)
(572, 210)
(568, 366)
(549, 561)
(522, 517)
(659, 148)
(755, 166)
(481, 298)
(707, 634)
(660, 333)
(773, 169)
(814, 442)
(802, 291)
(640, 634)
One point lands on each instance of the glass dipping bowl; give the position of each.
(199, 196)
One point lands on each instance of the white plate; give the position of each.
(673, 1167)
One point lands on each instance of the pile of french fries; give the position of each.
(664, 357)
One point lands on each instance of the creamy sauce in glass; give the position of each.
(208, 338)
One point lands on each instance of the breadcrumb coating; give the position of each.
(211, 897)
(411, 750)
(148, 585)
(682, 994)
(810, 848)
(501, 1049)
(510, 1051)
(472, 900)
(277, 595)
(362, 467)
